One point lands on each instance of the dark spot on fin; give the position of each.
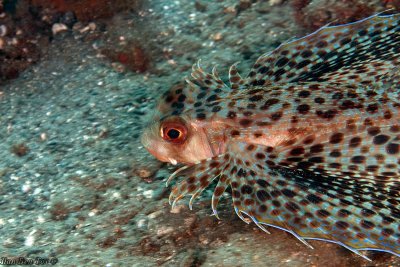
(201, 93)
(357, 213)
(234, 77)
(361, 52)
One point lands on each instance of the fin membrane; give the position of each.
(360, 52)
(311, 206)
(197, 178)
(202, 90)
(305, 204)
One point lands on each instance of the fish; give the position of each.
(308, 142)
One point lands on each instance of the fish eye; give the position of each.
(173, 132)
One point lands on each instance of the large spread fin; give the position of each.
(356, 214)
(312, 206)
(363, 52)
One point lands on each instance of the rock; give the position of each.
(201, 7)
(275, 2)
(3, 30)
(58, 27)
(244, 4)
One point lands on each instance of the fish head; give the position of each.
(178, 139)
(186, 127)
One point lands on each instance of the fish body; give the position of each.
(309, 141)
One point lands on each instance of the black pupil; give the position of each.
(173, 134)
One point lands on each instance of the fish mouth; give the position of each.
(145, 140)
(160, 158)
(172, 161)
(163, 159)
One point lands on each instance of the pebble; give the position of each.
(164, 230)
(275, 2)
(90, 27)
(26, 188)
(144, 173)
(177, 209)
(30, 239)
(155, 214)
(58, 27)
(148, 193)
(244, 4)
(217, 36)
(201, 7)
(142, 223)
(3, 30)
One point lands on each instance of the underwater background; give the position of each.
(79, 79)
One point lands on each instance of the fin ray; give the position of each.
(198, 178)
(311, 207)
(359, 52)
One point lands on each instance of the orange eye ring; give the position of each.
(173, 132)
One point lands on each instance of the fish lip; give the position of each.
(156, 155)
(160, 158)
(145, 140)
(172, 161)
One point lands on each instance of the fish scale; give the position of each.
(309, 141)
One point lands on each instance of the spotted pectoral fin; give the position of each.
(356, 214)
(198, 177)
(235, 80)
(360, 52)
